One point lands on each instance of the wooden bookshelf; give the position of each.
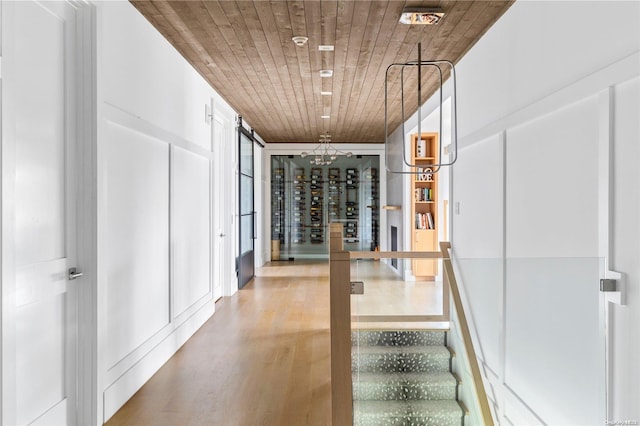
(424, 203)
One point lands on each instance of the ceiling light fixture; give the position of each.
(438, 162)
(325, 48)
(300, 40)
(325, 116)
(326, 73)
(324, 153)
(326, 93)
(421, 16)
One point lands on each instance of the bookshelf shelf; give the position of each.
(424, 205)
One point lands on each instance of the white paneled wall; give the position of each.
(142, 74)
(135, 179)
(552, 268)
(626, 248)
(156, 201)
(527, 226)
(538, 48)
(190, 229)
(482, 201)
(551, 184)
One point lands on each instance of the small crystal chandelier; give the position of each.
(324, 153)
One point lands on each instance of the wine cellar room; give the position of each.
(302, 198)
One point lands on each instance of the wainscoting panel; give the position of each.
(144, 75)
(552, 167)
(190, 228)
(554, 356)
(136, 262)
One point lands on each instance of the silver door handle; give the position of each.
(74, 273)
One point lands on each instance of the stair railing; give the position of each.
(340, 313)
(340, 321)
(340, 317)
(452, 283)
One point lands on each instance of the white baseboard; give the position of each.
(119, 392)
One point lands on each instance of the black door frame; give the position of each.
(245, 263)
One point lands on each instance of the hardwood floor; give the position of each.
(262, 359)
(386, 294)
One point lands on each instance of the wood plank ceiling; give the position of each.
(244, 49)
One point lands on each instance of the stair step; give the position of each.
(415, 413)
(404, 386)
(388, 359)
(397, 338)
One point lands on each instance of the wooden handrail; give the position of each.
(481, 394)
(397, 318)
(395, 254)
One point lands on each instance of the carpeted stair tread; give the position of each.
(378, 386)
(439, 351)
(397, 338)
(387, 413)
(438, 377)
(387, 359)
(404, 386)
(427, 413)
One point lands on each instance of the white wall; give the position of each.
(155, 206)
(626, 249)
(223, 203)
(534, 115)
(538, 48)
(263, 233)
(396, 188)
(260, 188)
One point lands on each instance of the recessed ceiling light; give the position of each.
(300, 40)
(325, 116)
(421, 16)
(326, 93)
(325, 48)
(326, 73)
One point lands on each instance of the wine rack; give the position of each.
(299, 203)
(316, 215)
(277, 205)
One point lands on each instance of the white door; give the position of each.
(224, 183)
(38, 216)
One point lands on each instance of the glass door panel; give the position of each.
(246, 266)
(306, 197)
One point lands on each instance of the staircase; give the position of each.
(403, 378)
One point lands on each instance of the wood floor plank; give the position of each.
(262, 359)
